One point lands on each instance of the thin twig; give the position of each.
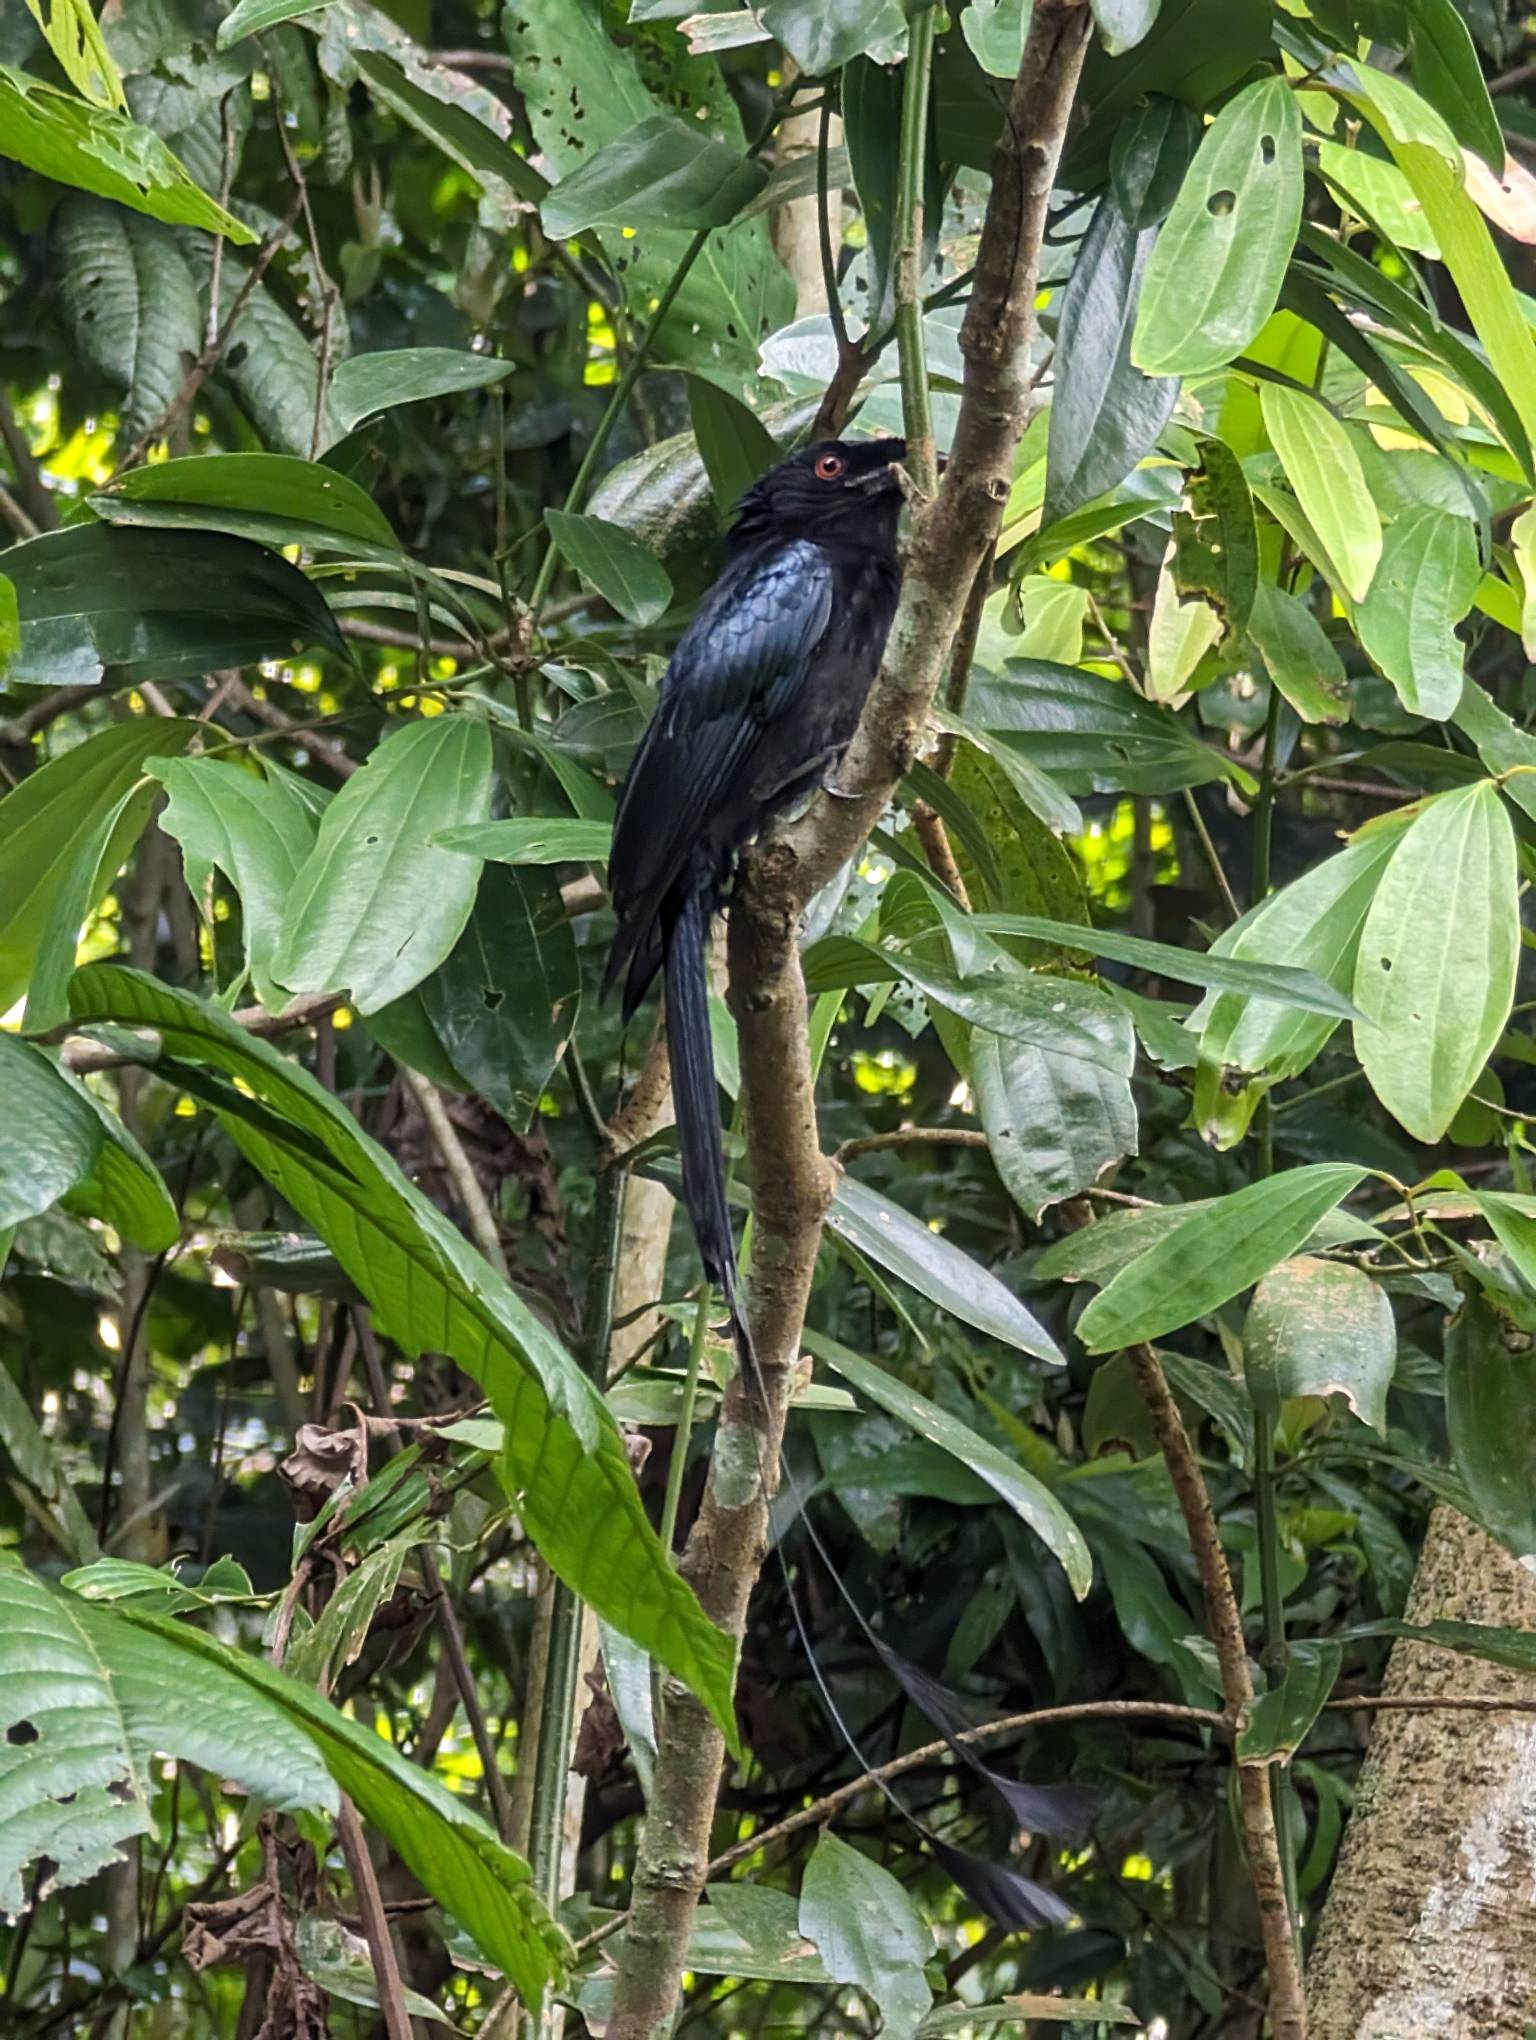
(381, 1949)
(15, 516)
(322, 748)
(477, 1211)
(1287, 2005)
(909, 1136)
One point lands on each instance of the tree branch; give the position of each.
(792, 1178)
(1287, 2006)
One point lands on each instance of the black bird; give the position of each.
(761, 699)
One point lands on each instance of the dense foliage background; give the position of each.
(374, 384)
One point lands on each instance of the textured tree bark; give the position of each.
(791, 1177)
(1430, 1924)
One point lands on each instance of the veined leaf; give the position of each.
(1213, 1256)
(275, 498)
(660, 173)
(1425, 584)
(97, 149)
(1280, 1720)
(366, 384)
(1216, 271)
(1323, 468)
(868, 1931)
(734, 443)
(1298, 655)
(52, 1135)
(1447, 70)
(532, 839)
(1435, 975)
(376, 908)
(1153, 148)
(1029, 1498)
(565, 1465)
(620, 569)
(132, 304)
(1054, 1124)
(1320, 1328)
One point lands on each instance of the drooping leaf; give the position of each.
(76, 40)
(735, 444)
(255, 829)
(659, 173)
(620, 569)
(504, 1002)
(1214, 276)
(46, 822)
(376, 908)
(274, 498)
(109, 606)
(1054, 1124)
(1216, 1253)
(1028, 1497)
(1280, 1720)
(1515, 1648)
(1324, 469)
(1153, 148)
(1435, 972)
(1490, 1411)
(565, 1464)
(868, 1932)
(823, 35)
(1105, 414)
(994, 30)
(97, 149)
(131, 302)
(1447, 70)
(896, 1241)
(1425, 584)
(250, 17)
(1298, 655)
(458, 118)
(52, 1135)
(366, 384)
(1122, 24)
(1320, 1328)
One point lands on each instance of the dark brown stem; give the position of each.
(1287, 2005)
(386, 1966)
(792, 1178)
(909, 1136)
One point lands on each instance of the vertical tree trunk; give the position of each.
(1430, 1924)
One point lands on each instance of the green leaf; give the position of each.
(994, 31)
(1105, 414)
(1153, 148)
(1214, 1255)
(660, 173)
(249, 17)
(1435, 974)
(1320, 1328)
(484, 1887)
(1099, 1251)
(1091, 734)
(366, 384)
(132, 305)
(1029, 1498)
(565, 1463)
(532, 839)
(333, 1643)
(375, 908)
(1054, 1124)
(823, 35)
(505, 1001)
(1059, 1014)
(46, 822)
(905, 1247)
(1323, 468)
(1379, 192)
(39, 1464)
(1313, 923)
(1122, 24)
(436, 103)
(77, 42)
(1446, 69)
(630, 579)
(97, 149)
(869, 1932)
(102, 605)
(1501, 743)
(1021, 2006)
(1216, 271)
(1490, 1412)
(272, 497)
(1298, 655)
(52, 1135)
(734, 443)
(123, 1187)
(1515, 1648)
(253, 828)
(1425, 584)
(1478, 271)
(1039, 793)
(1280, 1720)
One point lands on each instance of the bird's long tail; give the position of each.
(696, 1101)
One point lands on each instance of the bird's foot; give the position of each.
(841, 792)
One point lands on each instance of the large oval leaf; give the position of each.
(1322, 466)
(1219, 262)
(1054, 1124)
(1320, 1328)
(101, 605)
(1217, 1253)
(612, 563)
(1435, 974)
(132, 304)
(1428, 575)
(565, 1466)
(659, 173)
(376, 907)
(275, 498)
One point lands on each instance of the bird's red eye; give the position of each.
(830, 467)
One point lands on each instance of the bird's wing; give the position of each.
(738, 667)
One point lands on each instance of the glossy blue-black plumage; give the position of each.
(758, 704)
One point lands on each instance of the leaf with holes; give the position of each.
(659, 173)
(132, 304)
(376, 908)
(1299, 656)
(1216, 271)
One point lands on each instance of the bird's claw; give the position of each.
(840, 792)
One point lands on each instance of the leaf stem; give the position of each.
(684, 1432)
(915, 410)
